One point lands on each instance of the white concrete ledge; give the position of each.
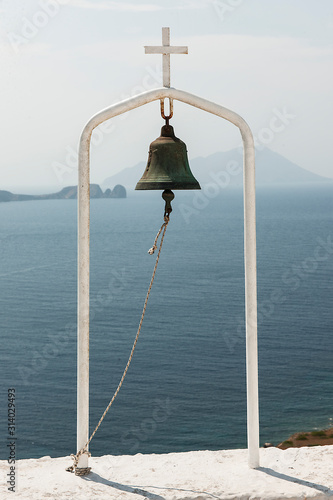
(297, 473)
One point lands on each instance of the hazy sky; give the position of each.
(64, 60)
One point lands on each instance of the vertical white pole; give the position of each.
(166, 57)
(83, 300)
(251, 300)
(250, 265)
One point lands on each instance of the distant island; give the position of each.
(67, 193)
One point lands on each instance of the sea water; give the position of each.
(186, 387)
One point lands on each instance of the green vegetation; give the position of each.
(287, 443)
(318, 433)
(302, 437)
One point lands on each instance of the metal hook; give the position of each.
(167, 118)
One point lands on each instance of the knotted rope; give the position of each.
(83, 471)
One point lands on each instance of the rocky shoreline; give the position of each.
(311, 438)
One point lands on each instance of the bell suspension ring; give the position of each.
(167, 117)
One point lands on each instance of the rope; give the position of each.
(81, 471)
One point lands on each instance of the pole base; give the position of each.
(82, 471)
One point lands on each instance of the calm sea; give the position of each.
(185, 389)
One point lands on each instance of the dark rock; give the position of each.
(119, 191)
(95, 191)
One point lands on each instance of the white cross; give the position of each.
(166, 50)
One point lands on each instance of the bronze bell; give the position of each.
(167, 166)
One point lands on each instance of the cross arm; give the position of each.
(164, 49)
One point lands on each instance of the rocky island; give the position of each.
(67, 193)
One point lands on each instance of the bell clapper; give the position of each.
(167, 196)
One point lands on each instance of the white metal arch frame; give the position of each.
(249, 255)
